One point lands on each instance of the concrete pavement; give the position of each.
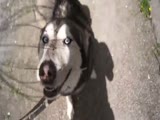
(124, 45)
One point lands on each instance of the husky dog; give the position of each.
(65, 49)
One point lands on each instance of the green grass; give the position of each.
(146, 8)
(157, 49)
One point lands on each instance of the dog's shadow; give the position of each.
(92, 102)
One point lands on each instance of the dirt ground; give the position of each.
(124, 46)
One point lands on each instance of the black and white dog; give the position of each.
(65, 48)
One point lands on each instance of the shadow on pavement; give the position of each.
(92, 103)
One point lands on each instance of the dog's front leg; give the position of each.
(70, 108)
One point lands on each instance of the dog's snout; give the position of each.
(47, 72)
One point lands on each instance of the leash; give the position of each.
(41, 105)
(37, 109)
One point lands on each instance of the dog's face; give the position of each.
(60, 58)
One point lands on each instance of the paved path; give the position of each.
(124, 42)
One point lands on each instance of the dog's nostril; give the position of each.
(47, 70)
(41, 73)
(49, 73)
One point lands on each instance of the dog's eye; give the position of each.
(67, 41)
(45, 39)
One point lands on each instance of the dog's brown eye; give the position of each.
(67, 41)
(45, 39)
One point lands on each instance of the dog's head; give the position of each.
(62, 52)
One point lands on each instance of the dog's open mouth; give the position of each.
(50, 92)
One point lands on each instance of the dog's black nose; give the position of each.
(47, 72)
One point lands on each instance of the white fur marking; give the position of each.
(42, 59)
(50, 31)
(93, 74)
(74, 61)
(70, 110)
(46, 103)
(63, 32)
(62, 54)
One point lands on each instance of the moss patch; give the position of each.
(146, 8)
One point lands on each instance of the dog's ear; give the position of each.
(107, 61)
